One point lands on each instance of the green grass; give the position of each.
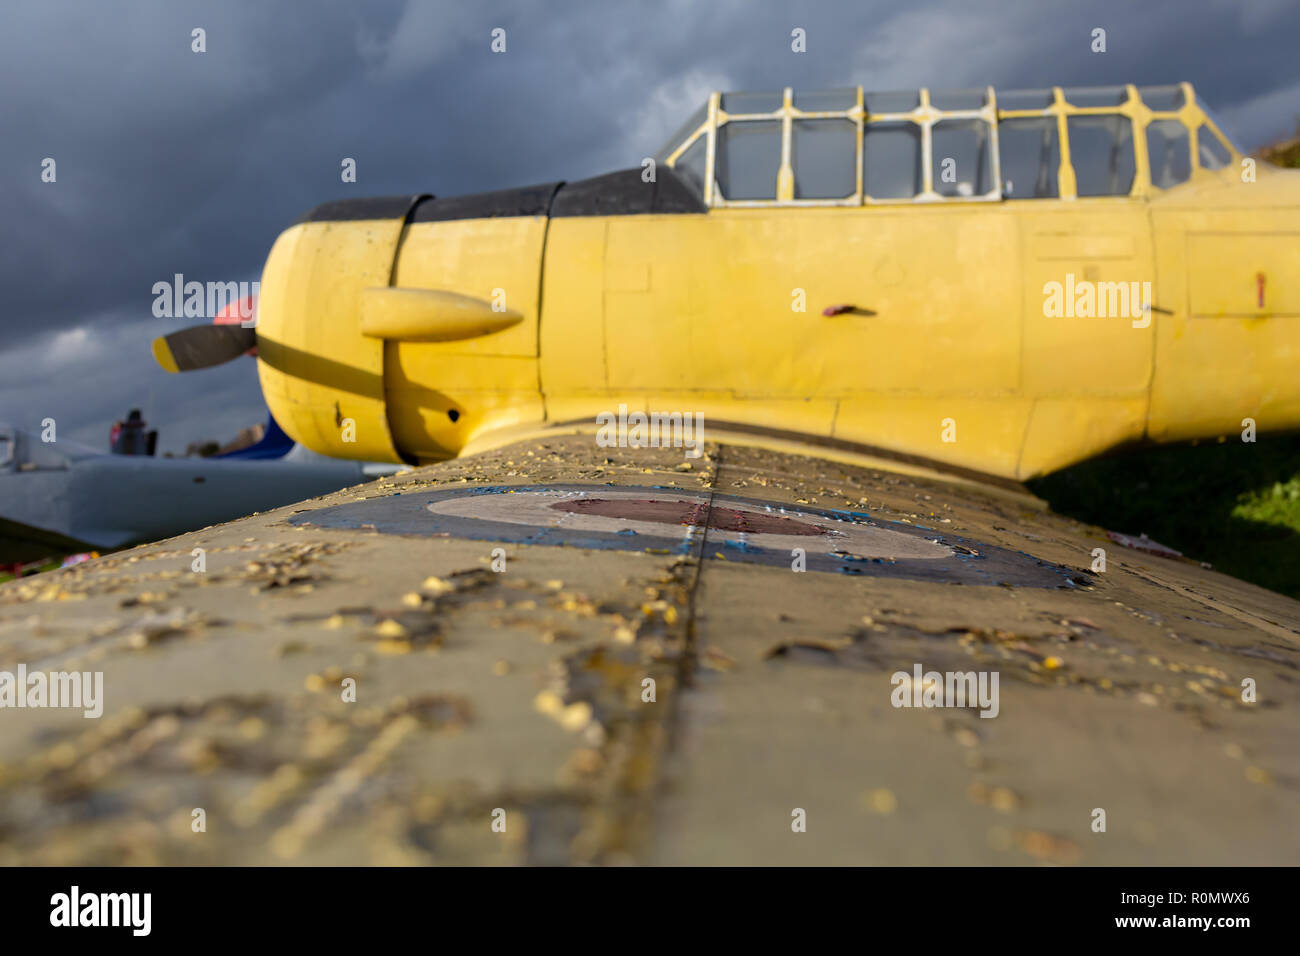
(47, 566)
(1279, 505)
(1234, 504)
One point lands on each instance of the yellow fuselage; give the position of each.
(948, 352)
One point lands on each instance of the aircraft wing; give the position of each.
(641, 673)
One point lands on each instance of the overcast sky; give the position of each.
(173, 161)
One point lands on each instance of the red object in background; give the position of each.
(237, 313)
(1143, 543)
(130, 437)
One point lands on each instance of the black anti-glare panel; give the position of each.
(625, 193)
(523, 201)
(374, 207)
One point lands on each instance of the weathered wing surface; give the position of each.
(479, 691)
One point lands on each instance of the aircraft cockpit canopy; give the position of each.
(848, 147)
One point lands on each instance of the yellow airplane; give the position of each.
(554, 652)
(966, 281)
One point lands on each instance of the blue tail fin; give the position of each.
(274, 444)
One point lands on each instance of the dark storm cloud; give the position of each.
(172, 161)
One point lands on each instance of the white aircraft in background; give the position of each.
(60, 498)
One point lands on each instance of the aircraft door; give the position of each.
(1229, 257)
(1090, 300)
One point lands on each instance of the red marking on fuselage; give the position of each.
(663, 511)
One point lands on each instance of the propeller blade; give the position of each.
(202, 346)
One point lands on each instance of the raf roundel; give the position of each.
(699, 524)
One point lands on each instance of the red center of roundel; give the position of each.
(688, 513)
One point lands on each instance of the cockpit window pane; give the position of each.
(691, 163)
(1213, 154)
(1169, 152)
(1029, 153)
(825, 158)
(1227, 133)
(1162, 99)
(683, 131)
(1024, 99)
(826, 101)
(1096, 95)
(961, 152)
(958, 99)
(748, 159)
(1101, 151)
(891, 158)
(739, 103)
(901, 101)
